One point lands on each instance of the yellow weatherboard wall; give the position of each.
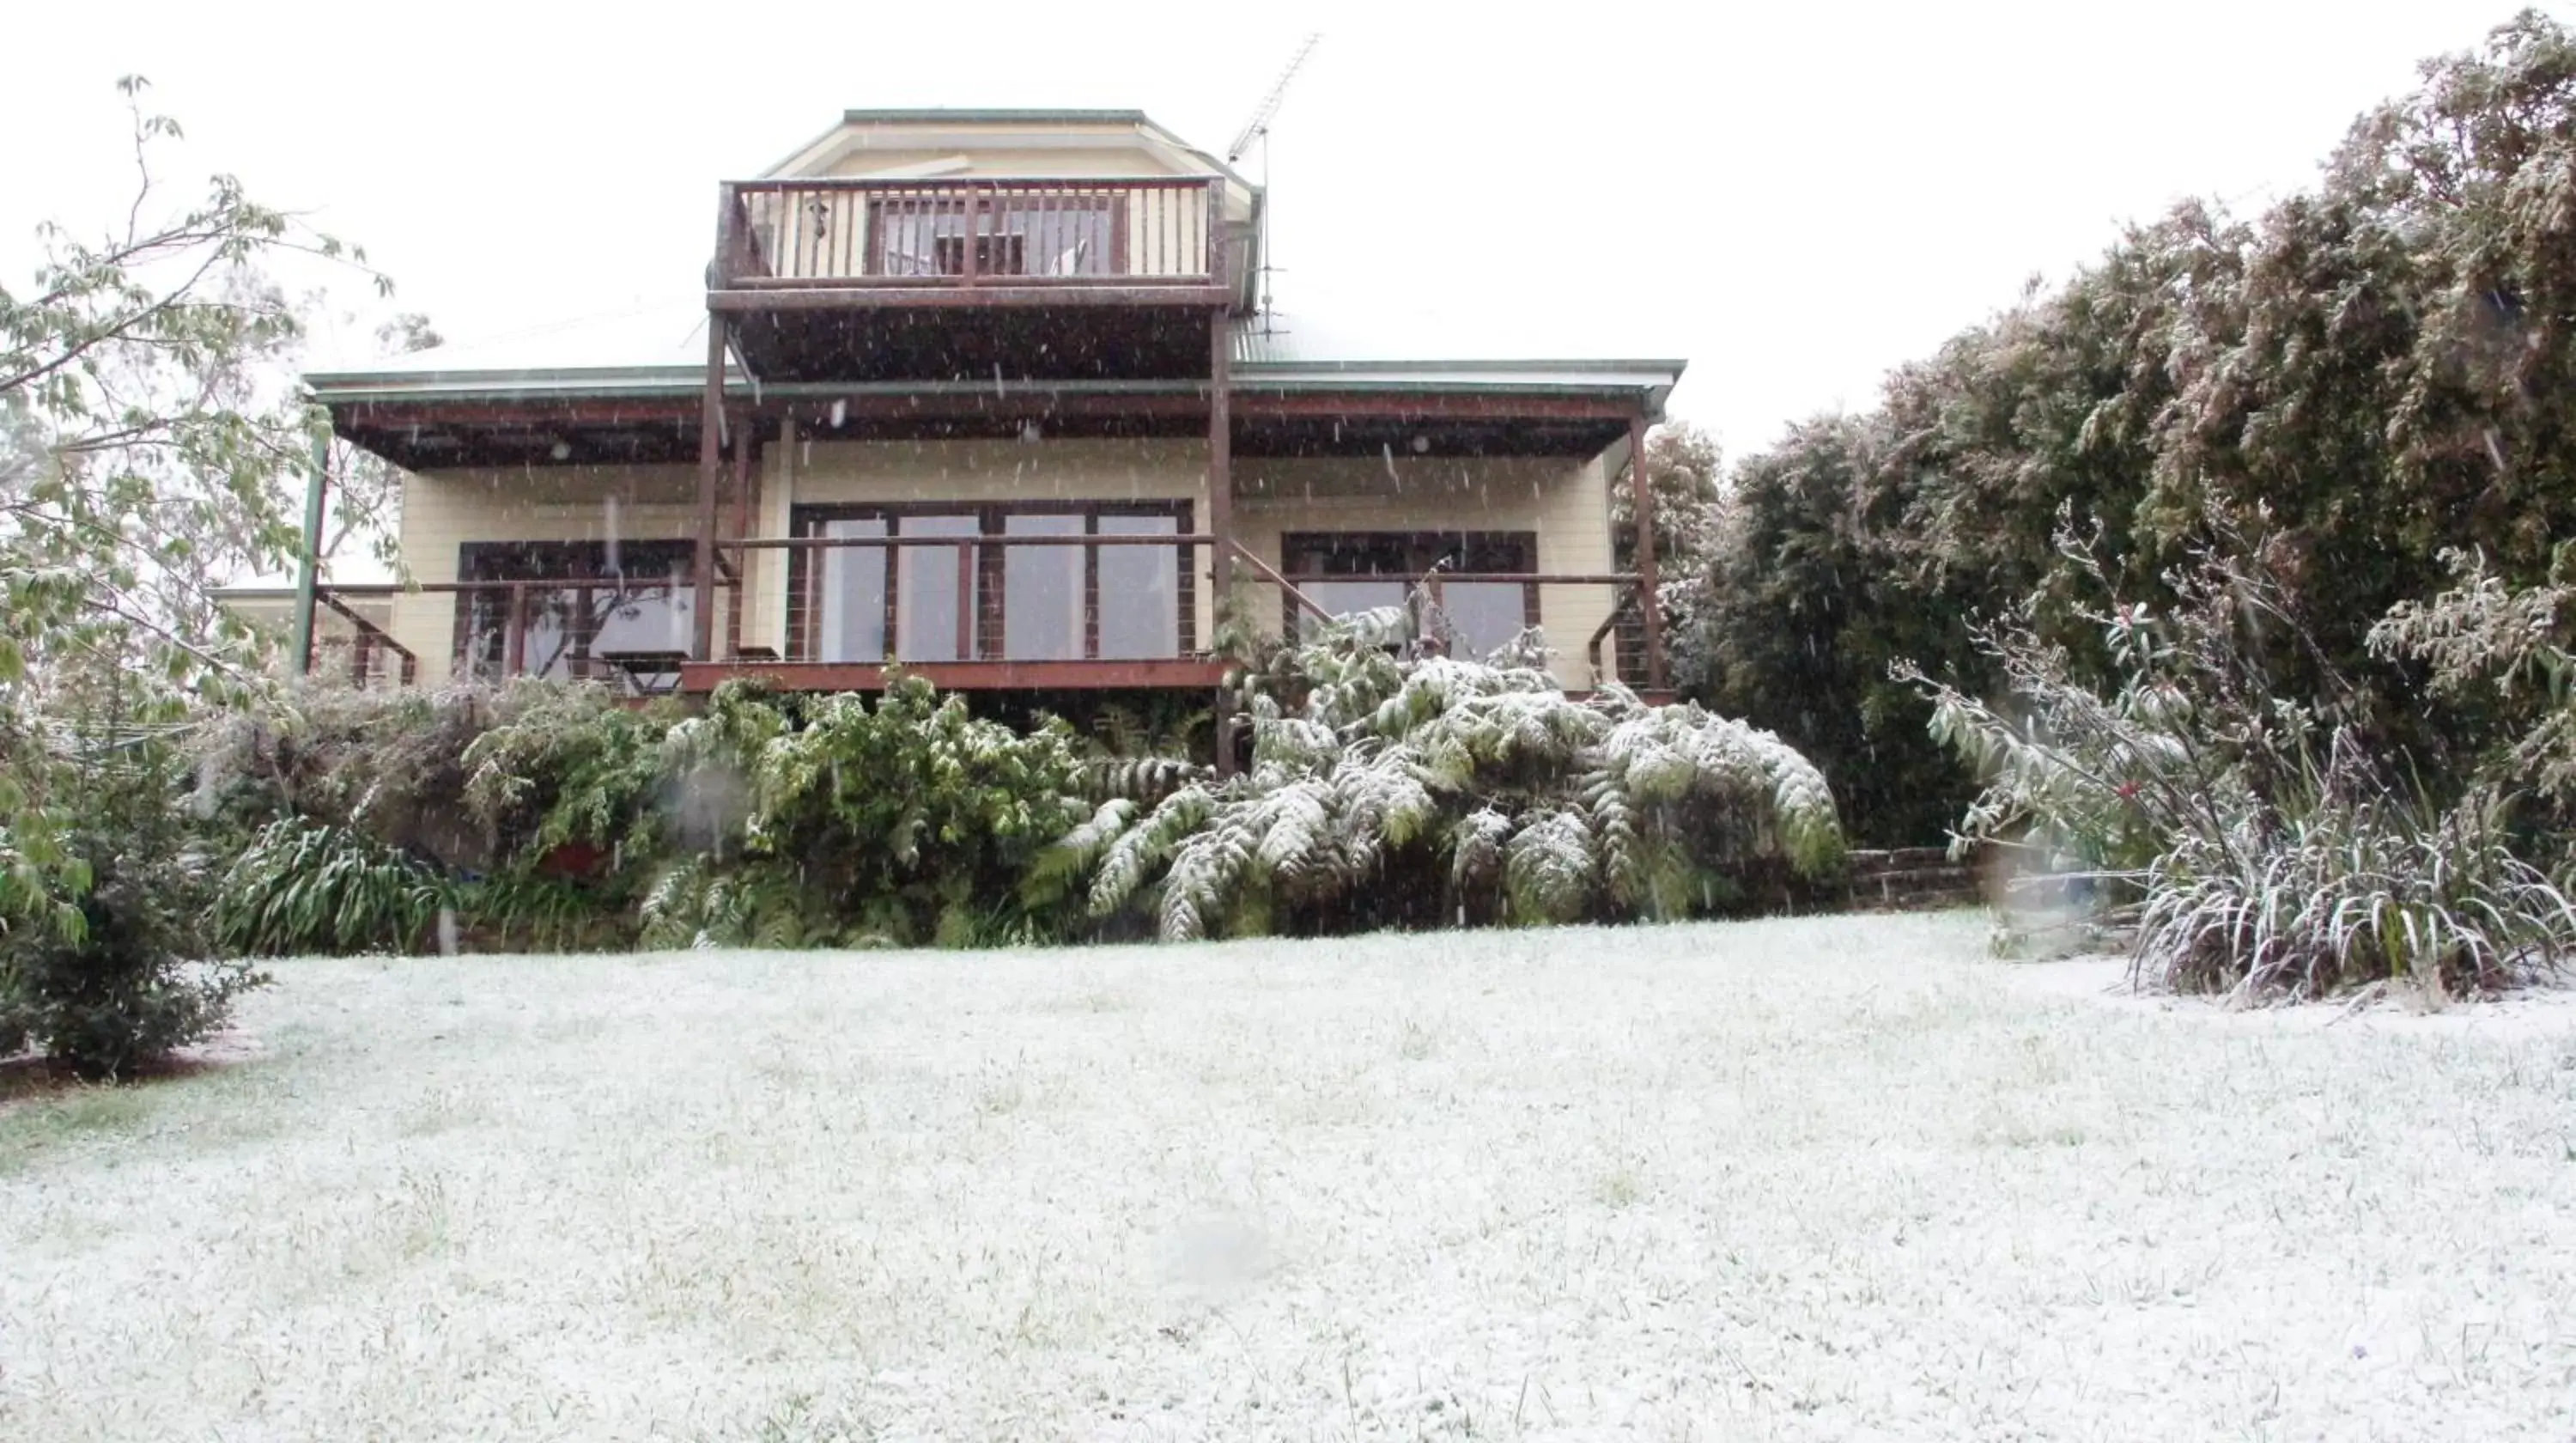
(1564, 501)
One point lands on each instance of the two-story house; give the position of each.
(985, 393)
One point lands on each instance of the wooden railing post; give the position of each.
(514, 632)
(1220, 242)
(974, 222)
(728, 235)
(702, 641)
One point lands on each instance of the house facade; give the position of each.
(988, 394)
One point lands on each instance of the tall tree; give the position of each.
(150, 448)
(2367, 375)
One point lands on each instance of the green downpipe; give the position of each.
(308, 577)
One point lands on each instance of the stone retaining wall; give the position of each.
(1909, 879)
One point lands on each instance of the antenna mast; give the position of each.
(1258, 128)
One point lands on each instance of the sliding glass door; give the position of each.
(1023, 583)
(934, 610)
(851, 613)
(1042, 591)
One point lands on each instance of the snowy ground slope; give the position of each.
(1813, 1179)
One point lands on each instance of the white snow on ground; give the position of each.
(1834, 1178)
(2535, 1012)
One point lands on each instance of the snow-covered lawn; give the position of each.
(1809, 1179)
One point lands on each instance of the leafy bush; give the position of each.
(568, 766)
(305, 887)
(2507, 648)
(2374, 362)
(97, 960)
(2266, 848)
(1386, 792)
(913, 816)
(584, 822)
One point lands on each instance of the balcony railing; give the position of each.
(518, 627)
(944, 234)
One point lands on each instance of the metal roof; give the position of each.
(662, 351)
(937, 116)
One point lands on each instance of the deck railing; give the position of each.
(380, 660)
(867, 232)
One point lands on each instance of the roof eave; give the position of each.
(659, 383)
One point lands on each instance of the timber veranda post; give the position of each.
(308, 576)
(746, 456)
(1220, 515)
(1649, 604)
(711, 427)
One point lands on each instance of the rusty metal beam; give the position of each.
(1253, 403)
(835, 543)
(1173, 672)
(1037, 400)
(843, 297)
(638, 410)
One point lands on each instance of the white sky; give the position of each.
(1793, 197)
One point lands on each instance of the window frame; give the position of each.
(575, 566)
(982, 574)
(1304, 555)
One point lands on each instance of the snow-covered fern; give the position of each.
(1384, 789)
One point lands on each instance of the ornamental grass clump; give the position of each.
(2249, 839)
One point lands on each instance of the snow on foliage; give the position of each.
(1511, 800)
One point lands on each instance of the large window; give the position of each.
(1353, 571)
(604, 598)
(1061, 596)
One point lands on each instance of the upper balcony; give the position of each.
(829, 277)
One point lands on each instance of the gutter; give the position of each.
(347, 388)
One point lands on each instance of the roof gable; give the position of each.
(998, 142)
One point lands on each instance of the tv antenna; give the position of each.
(1258, 129)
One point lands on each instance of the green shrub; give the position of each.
(305, 887)
(569, 766)
(914, 819)
(97, 962)
(2263, 846)
(2378, 362)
